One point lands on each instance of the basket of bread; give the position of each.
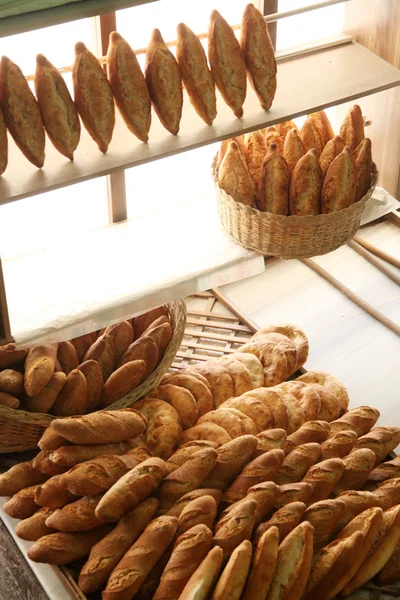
(110, 368)
(295, 194)
(272, 489)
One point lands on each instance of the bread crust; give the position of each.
(181, 399)
(164, 430)
(72, 400)
(234, 177)
(231, 459)
(311, 136)
(273, 189)
(352, 128)
(293, 149)
(324, 125)
(306, 185)
(363, 160)
(122, 381)
(332, 149)
(233, 577)
(339, 189)
(43, 402)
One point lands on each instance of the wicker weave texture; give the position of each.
(21, 430)
(293, 236)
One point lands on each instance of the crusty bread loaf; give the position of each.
(44, 401)
(360, 419)
(311, 136)
(262, 566)
(381, 440)
(332, 149)
(363, 159)
(234, 177)
(231, 459)
(142, 322)
(289, 330)
(9, 356)
(324, 476)
(69, 456)
(239, 373)
(195, 73)
(322, 122)
(273, 188)
(181, 455)
(51, 440)
(129, 574)
(136, 485)
(198, 388)
(178, 507)
(163, 432)
(8, 400)
(145, 349)
(297, 463)
(323, 516)
(310, 432)
(122, 381)
(164, 82)
(333, 385)
(21, 113)
(67, 357)
(352, 128)
(391, 571)
(72, 400)
(306, 185)
(93, 96)
(272, 399)
(388, 493)
(294, 409)
(94, 380)
(53, 494)
(201, 582)
(254, 151)
(357, 467)
(39, 367)
(181, 399)
(23, 504)
(34, 527)
(226, 62)
(76, 516)
(233, 578)
(219, 378)
(285, 519)
(293, 149)
(232, 420)
(265, 494)
(12, 381)
(43, 463)
(356, 502)
(340, 183)
(18, 477)
(206, 431)
(104, 352)
(338, 445)
(252, 408)
(273, 137)
(106, 554)
(382, 472)
(202, 510)
(293, 492)
(236, 526)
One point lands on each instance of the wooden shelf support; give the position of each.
(5, 331)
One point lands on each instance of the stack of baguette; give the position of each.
(54, 111)
(285, 171)
(86, 373)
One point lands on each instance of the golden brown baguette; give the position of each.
(76, 516)
(259, 55)
(310, 432)
(254, 152)
(22, 505)
(107, 553)
(324, 476)
(262, 566)
(381, 440)
(340, 183)
(104, 352)
(322, 122)
(181, 455)
(201, 582)
(234, 177)
(39, 367)
(163, 432)
(311, 136)
(293, 564)
(285, 519)
(236, 526)
(306, 186)
(129, 574)
(136, 485)
(122, 335)
(231, 459)
(382, 472)
(391, 571)
(357, 467)
(186, 478)
(142, 349)
(387, 539)
(226, 62)
(93, 96)
(57, 108)
(294, 492)
(233, 578)
(388, 493)
(360, 419)
(129, 86)
(179, 506)
(164, 82)
(270, 439)
(102, 427)
(352, 128)
(94, 380)
(18, 477)
(34, 527)
(356, 502)
(43, 463)
(69, 456)
(265, 494)
(21, 113)
(162, 336)
(202, 510)
(44, 401)
(181, 399)
(293, 149)
(297, 463)
(53, 494)
(332, 149)
(67, 357)
(12, 382)
(323, 516)
(72, 400)
(273, 189)
(363, 159)
(62, 548)
(258, 470)
(284, 127)
(123, 381)
(51, 440)
(338, 445)
(195, 73)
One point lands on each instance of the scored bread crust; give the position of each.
(273, 189)
(363, 160)
(324, 125)
(293, 149)
(352, 128)
(311, 136)
(234, 177)
(339, 189)
(332, 149)
(306, 185)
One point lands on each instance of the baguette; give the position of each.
(231, 459)
(76, 516)
(142, 349)
(181, 399)
(202, 581)
(310, 432)
(311, 136)
(323, 516)
(9, 400)
(202, 510)
(44, 401)
(129, 87)
(34, 527)
(338, 445)
(254, 151)
(234, 177)
(233, 578)
(53, 494)
(57, 108)
(69, 456)
(178, 507)
(129, 574)
(388, 493)
(21, 113)
(51, 440)
(122, 381)
(270, 439)
(322, 122)
(360, 419)
(83, 343)
(264, 494)
(18, 477)
(195, 73)
(186, 478)
(357, 467)
(273, 188)
(324, 476)
(352, 128)
(142, 322)
(181, 455)
(22, 505)
(107, 553)
(363, 159)
(67, 357)
(297, 463)
(236, 526)
(90, 82)
(62, 548)
(42, 462)
(102, 427)
(263, 566)
(164, 430)
(12, 382)
(104, 352)
(356, 502)
(72, 400)
(306, 185)
(382, 472)
(121, 334)
(139, 483)
(294, 492)
(391, 571)
(293, 149)
(381, 440)
(339, 189)
(164, 82)
(332, 149)
(226, 62)
(285, 519)
(94, 380)
(293, 564)
(252, 408)
(258, 470)
(39, 367)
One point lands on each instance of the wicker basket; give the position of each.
(21, 430)
(289, 237)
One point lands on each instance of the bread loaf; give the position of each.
(332, 149)
(42, 462)
(34, 527)
(363, 160)
(324, 126)
(311, 136)
(233, 421)
(234, 177)
(202, 510)
(324, 476)
(18, 477)
(236, 526)
(39, 367)
(12, 382)
(233, 578)
(272, 399)
(122, 381)
(142, 322)
(381, 440)
(262, 566)
(129, 574)
(239, 373)
(164, 430)
(107, 553)
(339, 189)
(297, 463)
(198, 388)
(72, 400)
(181, 399)
(270, 439)
(132, 488)
(254, 367)
(44, 401)
(293, 149)
(53, 494)
(306, 185)
(294, 492)
(22, 505)
(77, 516)
(9, 356)
(273, 188)
(310, 432)
(391, 571)
(83, 343)
(360, 419)
(357, 467)
(69, 456)
(308, 398)
(8, 400)
(352, 128)
(250, 406)
(324, 516)
(51, 440)
(104, 352)
(265, 494)
(94, 380)
(356, 502)
(145, 349)
(231, 459)
(206, 431)
(181, 455)
(388, 493)
(177, 508)
(201, 582)
(382, 472)
(338, 445)
(285, 519)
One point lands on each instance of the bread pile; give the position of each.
(285, 171)
(52, 110)
(86, 373)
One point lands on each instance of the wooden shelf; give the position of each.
(306, 83)
(19, 19)
(110, 274)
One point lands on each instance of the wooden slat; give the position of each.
(222, 348)
(235, 310)
(307, 83)
(5, 332)
(374, 261)
(217, 324)
(377, 251)
(200, 313)
(269, 7)
(215, 336)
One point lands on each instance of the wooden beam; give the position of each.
(5, 331)
(270, 7)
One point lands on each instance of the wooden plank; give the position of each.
(198, 346)
(5, 332)
(271, 6)
(215, 336)
(307, 83)
(217, 324)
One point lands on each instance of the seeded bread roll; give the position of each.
(306, 186)
(285, 519)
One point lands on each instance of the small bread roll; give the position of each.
(339, 189)
(227, 64)
(164, 82)
(93, 96)
(21, 114)
(332, 149)
(195, 73)
(255, 149)
(259, 55)
(43, 402)
(311, 136)
(363, 159)
(58, 110)
(293, 149)
(273, 189)
(234, 177)
(129, 86)
(352, 129)
(306, 185)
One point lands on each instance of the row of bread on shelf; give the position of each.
(53, 110)
(86, 373)
(158, 528)
(285, 171)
